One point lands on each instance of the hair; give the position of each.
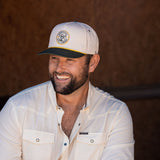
(88, 58)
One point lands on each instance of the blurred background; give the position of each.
(128, 31)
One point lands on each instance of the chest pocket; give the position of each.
(37, 145)
(91, 138)
(90, 146)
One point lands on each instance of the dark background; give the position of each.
(129, 34)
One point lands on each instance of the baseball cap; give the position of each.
(72, 40)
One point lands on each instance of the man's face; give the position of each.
(67, 74)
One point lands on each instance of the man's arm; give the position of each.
(10, 139)
(120, 143)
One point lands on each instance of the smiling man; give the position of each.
(67, 118)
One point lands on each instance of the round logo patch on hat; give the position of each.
(62, 37)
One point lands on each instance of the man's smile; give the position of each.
(62, 77)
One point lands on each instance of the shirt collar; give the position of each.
(52, 95)
(89, 96)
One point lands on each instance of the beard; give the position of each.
(74, 83)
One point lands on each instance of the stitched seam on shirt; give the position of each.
(114, 120)
(27, 109)
(17, 122)
(31, 89)
(120, 145)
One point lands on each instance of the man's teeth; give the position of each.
(61, 77)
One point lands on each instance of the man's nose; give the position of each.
(61, 65)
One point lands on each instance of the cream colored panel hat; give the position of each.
(72, 40)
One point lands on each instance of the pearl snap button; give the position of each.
(37, 139)
(92, 140)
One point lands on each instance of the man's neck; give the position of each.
(74, 101)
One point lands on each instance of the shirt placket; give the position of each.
(77, 127)
(65, 142)
(80, 120)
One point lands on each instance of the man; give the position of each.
(67, 118)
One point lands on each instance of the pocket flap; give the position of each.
(92, 138)
(38, 137)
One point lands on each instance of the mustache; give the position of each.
(61, 73)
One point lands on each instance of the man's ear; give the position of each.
(94, 62)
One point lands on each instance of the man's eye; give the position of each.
(70, 60)
(54, 57)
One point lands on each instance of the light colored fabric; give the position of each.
(30, 128)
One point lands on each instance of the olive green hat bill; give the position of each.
(73, 40)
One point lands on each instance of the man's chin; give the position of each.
(61, 89)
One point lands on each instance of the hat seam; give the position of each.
(85, 30)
